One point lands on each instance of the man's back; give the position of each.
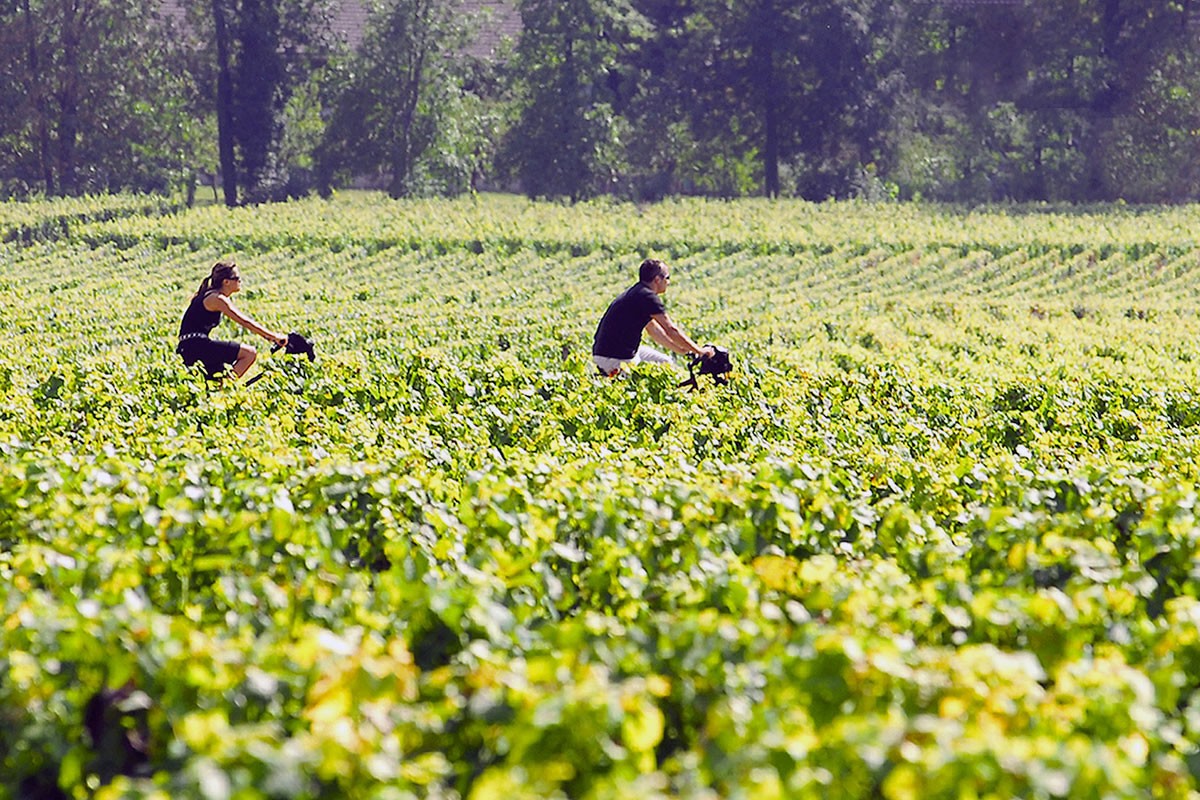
(620, 330)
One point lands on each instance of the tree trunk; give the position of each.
(68, 100)
(1104, 104)
(771, 99)
(229, 177)
(38, 89)
(771, 130)
(398, 185)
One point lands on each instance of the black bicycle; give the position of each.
(718, 365)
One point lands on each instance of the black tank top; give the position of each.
(197, 318)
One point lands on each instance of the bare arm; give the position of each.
(664, 331)
(219, 302)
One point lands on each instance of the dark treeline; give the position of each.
(951, 100)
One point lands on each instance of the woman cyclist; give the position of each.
(212, 299)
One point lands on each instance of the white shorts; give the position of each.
(648, 355)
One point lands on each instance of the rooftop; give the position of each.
(496, 21)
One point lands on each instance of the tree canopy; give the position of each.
(1017, 100)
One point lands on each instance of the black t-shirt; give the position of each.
(197, 318)
(620, 330)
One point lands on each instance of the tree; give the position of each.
(685, 126)
(401, 100)
(1107, 68)
(1152, 152)
(1028, 100)
(101, 110)
(566, 138)
(764, 83)
(264, 50)
(259, 94)
(224, 105)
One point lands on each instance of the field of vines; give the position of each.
(939, 537)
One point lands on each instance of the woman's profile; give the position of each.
(213, 299)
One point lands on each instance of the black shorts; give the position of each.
(216, 355)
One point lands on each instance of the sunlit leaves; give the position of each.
(936, 537)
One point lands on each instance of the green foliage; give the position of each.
(564, 143)
(95, 100)
(402, 109)
(1150, 147)
(936, 538)
(268, 58)
(1054, 101)
(1016, 101)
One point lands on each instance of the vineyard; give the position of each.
(938, 537)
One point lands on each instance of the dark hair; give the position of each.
(650, 269)
(221, 272)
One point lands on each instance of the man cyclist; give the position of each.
(618, 339)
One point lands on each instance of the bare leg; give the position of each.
(246, 356)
